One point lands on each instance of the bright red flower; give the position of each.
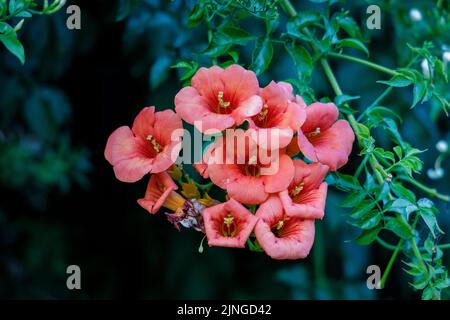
(148, 147)
(228, 224)
(280, 116)
(281, 236)
(323, 139)
(306, 195)
(248, 172)
(219, 98)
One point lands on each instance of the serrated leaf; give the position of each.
(353, 200)
(418, 93)
(397, 81)
(368, 236)
(13, 45)
(399, 226)
(369, 221)
(363, 207)
(343, 98)
(354, 43)
(262, 55)
(302, 60)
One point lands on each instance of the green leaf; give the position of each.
(302, 60)
(362, 208)
(262, 55)
(13, 45)
(196, 15)
(402, 192)
(369, 221)
(402, 206)
(368, 236)
(353, 43)
(344, 182)
(399, 226)
(343, 98)
(233, 35)
(353, 200)
(397, 81)
(429, 217)
(418, 93)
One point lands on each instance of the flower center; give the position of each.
(263, 114)
(229, 226)
(252, 168)
(296, 190)
(314, 133)
(278, 227)
(222, 104)
(156, 146)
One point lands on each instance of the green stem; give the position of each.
(414, 246)
(444, 246)
(388, 269)
(364, 62)
(385, 244)
(430, 191)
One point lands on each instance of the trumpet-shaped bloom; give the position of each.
(280, 116)
(323, 139)
(306, 195)
(228, 224)
(248, 172)
(219, 98)
(160, 192)
(148, 147)
(281, 236)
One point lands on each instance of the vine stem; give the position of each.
(387, 271)
(287, 6)
(430, 191)
(364, 62)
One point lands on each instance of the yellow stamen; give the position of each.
(296, 190)
(280, 224)
(252, 160)
(174, 202)
(222, 104)
(229, 226)
(156, 146)
(263, 114)
(313, 133)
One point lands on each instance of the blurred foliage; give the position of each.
(57, 110)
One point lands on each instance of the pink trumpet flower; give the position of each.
(281, 236)
(148, 147)
(280, 116)
(306, 195)
(323, 139)
(228, 224)
(219, 98)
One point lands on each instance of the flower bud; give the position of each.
(442, 146)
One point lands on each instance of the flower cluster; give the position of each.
(261, 137)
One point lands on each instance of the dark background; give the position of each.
(60, 203)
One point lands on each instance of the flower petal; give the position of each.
(320, 115)
(124, 153)
(159, 188)
(247, 189)
(144, 122)
(281, 180)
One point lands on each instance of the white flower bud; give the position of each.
(442, 146)
(415, 14)
(425, 68)
(446, 56)
(435, 174)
